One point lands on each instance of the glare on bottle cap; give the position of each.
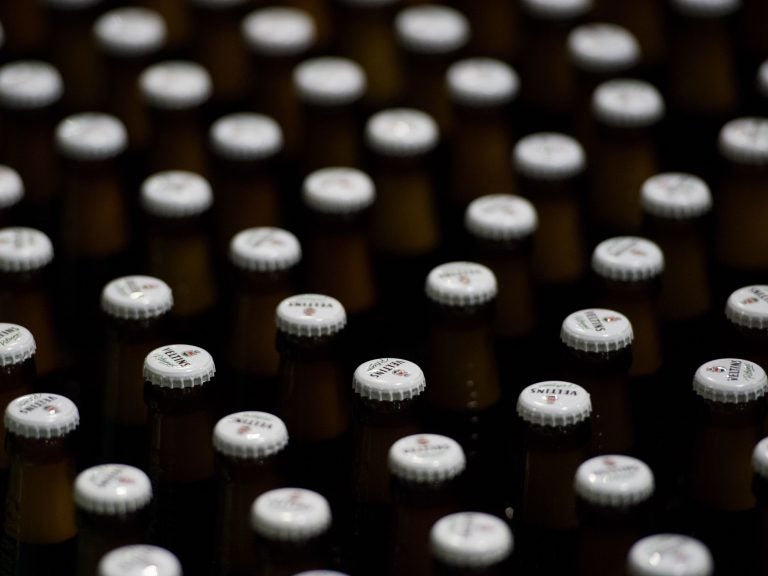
(669, 555)
(614, 481)
(136, 298)
(139, 560)
(401, 132)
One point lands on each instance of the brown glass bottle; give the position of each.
(745, 331)
(470, 543)
(177, 17)
(495, 28)
(24, 28)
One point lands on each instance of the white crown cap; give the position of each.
(669, 555)
(482, 82)
(473, 540)
(614, 481)
(388, 380)
(730, 381)
(178, 366)
(279, 31)
(431, 29)
(401, 132)
(112, 490)
(290, 514)
(596, 330)
(628, 259)
(29, 84)
(246, 136)
(603, 48)
(264, 249)
(554, 403)
(139, 560)
(426, 458)
(310, 315)
(176, 85)
(41, 416)
(130, 32)
(17, 344)
(549, 156)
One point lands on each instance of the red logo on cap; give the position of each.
(309, 311)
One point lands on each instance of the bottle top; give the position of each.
(596, 330)
(554, 403)
(401, 132)
(762, 79)
(549, 156)
(24, 249)
(614, 481)
(41, 416)
(290, 514)
(470, 540)
(178, 366)
(11, 187)
(426, 458)
(675, 196)
(72, 4)
(329, 81)
(250, 435)
(628, 259)
(130, 32)
(338, 190)
(91, 136)
(175, 85)
(745, 141)
(730, 381)
(264, 249)
(139, 560)
(279, 31)
(112, 490)
(29, 84)
(431, 29)
(760, 458)
(481, 82)
(501, 217)
(603, 48)
(176, 194)
(669, 555)
(748, 307)
(136, 298)
(388, 380)
(624, 103)
(246, 136)
(16, 344)
(557, 9)
(706, 8)
(461, 284)
(309, 315)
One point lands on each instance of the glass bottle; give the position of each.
(24, 27)
(470, 543)
(760, 490)
(12, 197)
(495, 28)
(669, 555)
(137, 560)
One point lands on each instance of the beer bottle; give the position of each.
(760, 490)
(623, 152)
(291, 526)
(174, 93)
(135, 311)
(24, 28)
(11, 196)
(426, 483)
(430, 37)
(729, 418)
(138, 560)
(746, 312)
(754, 42)
(597, 353)
(263, 263)
(179, 392)
(554, 439)
(112, 503)
(669, 555)
(614, 497)
(470, 543)
(40, 536)
(248, 447)
(386, 405)
(329, 89)
(495, 28)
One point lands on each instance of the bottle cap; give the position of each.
(624, 103)
(470, 540)
(16, 344)
(11, 187)
(730, 380)
(246, 136)
(481, 82)
(264, 249)
(760, 458)
(176, 194)
(461, 284)
(423, 458)
(338, 191)
(290, 514)
(329, 81)
(614, 481)
(501, 217)
(24, 249)
(178, 366)
(388, 380)
(603, 48)
(762, 79)
(29, 84)
(669, 555)
(706, 8)
(91, 136)
(549, 156)
(627, 259)
(139, 560)
(112, 489)
(136, 298)
(748, 307)
(279, 31)
(431, 29)
(309, 315)
(596, 330)
(675, 196)
(401, 132)
(745, 141)
(554, 403)
(250, 435)
(130, 32)
(557, 9)
(175, 85)
(41, 416)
